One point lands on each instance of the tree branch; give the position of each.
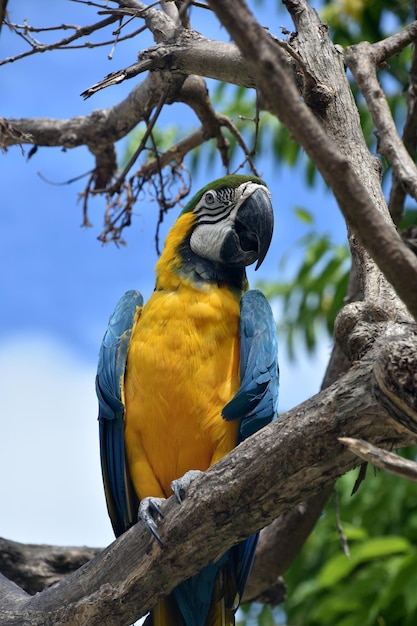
(351, 176)
(275, 471)
(363, 59)
(265, 476)
(381, 458)
(34, 567)
(191, 54)
(80, 31)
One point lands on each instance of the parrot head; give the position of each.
(225, 227)
(234, 221)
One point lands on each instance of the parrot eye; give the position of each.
(209, 198)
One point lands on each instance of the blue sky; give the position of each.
(59, 285)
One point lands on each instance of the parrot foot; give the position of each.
(180, 486)
(149, 508)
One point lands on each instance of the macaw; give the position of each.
(187, 376)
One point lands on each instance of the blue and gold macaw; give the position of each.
(187, 376)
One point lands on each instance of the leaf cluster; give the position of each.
(376, 583)
(310, 298)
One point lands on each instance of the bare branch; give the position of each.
(397, 193)
(81, 31)
(159, 23)
(345, 173)
(381, 458)
(35, 567)
(150, 123)
(191, 54)
(395, 44)
(10, 134)
(265, 476)
(362, 59)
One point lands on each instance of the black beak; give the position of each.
(254, 226)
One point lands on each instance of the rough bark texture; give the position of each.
(266, 476)
(283, 475)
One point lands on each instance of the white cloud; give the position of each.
(51, 490)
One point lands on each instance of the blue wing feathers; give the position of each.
(121, 501)
(255, 403)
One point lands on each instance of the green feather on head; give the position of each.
(233, 181)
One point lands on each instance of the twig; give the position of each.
(340, 532)
(381, 458)
(160, 198)
(114, 78)
(82, 31)
(227, 122)
(120, 179)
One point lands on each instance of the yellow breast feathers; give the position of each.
(182, 368)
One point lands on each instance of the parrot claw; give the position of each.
(149, 508)
(180, 486)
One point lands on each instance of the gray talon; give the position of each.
(148, 509)
(180, 486)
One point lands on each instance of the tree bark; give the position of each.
(264, 477)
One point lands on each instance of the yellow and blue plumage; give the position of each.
(185, 377)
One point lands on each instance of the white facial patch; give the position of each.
(207, 239)
(216, 215)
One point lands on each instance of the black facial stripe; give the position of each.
(206, 215)
(210, 221)
(208, 211)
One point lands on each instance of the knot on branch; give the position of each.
(357, 327)
(394, 379)
(318, 96)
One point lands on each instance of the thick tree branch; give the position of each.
(279, 544)
(191, 54)
(365, 213)
(34, 567)
(265, 476)
(113, 123)
(397, 193)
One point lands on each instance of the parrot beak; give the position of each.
(254, 226)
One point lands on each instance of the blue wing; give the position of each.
(255, 404)
(122, 502)
(256, 401)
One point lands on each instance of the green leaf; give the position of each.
(341, 566)
(304, 215)
(408, 219)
